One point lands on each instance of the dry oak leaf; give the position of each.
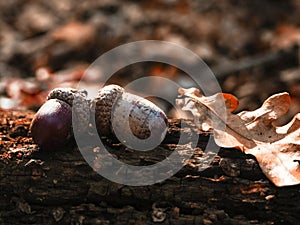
(277, 149)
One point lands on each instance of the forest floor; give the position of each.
(251, 46)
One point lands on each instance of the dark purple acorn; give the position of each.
(51, 126)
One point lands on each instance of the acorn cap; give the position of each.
(102, 106)
(80, 106)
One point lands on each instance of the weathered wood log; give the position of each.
(59, 187)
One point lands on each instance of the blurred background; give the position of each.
(251, 46)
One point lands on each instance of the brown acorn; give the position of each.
(128, 116)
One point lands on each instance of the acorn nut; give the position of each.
(51, 126)
(127, 116)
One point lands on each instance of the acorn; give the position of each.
(128, 117)
(51, 126)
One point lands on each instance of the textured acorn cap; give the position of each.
(102, 106)
(80, 105)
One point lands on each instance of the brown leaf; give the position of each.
(286, 36)
(24, 92)
(75, 33)
(277, 149)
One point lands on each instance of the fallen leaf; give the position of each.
(277, 149)
(286, 36)
(75, 33)
(23, 92)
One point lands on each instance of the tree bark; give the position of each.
(59, 187)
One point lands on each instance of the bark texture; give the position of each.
(59, 187)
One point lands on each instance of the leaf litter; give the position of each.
(276, 148)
